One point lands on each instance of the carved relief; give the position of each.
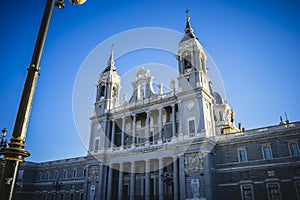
(192, 162)
(190, 105)
(93, 172)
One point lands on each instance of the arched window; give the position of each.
(187, 62)
(102, 90)
(115, 92)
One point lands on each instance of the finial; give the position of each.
(187, 14)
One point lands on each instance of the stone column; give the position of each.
(123, 132)
(147, 179)
(147, 127)
(160, 125)
(112, 141)
(160, 182)
(180, 118)
(175, 178)
(181, 177)
(121, 180)
(133, 131)
(132, 181)
(109, 182)
(173, 121)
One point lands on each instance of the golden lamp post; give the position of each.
(15, 153)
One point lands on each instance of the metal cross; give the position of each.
(187, 12)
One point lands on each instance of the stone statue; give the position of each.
(172, 86)
(232, 116)
(160, 88)
(125, 97)
(195, 188)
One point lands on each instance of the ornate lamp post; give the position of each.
(15, 153)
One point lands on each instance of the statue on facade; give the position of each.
(195, 188)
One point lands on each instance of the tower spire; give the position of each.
(189, 32)
(111, 62)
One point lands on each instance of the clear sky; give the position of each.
(255, 44)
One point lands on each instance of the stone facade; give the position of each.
(176, 144)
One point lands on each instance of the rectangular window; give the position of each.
(71, 196)
(47, 175)
(44, 196)
(52, 196)
(192, 126)
(84, 172)
(273, 191)
(65, 173)
(294, 149)
(267, 153)
(247, 192)
(96, 144)
(62, 196)
(242, 155)
(74, 173)
(81, 196)
(55, 175)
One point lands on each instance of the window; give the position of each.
(96, 144)
(62, 196)
(65, 173)
(81, 196)
(44, 196)
(242, 155)
(71, 196)
(221, 115)
(47, 175)
(52, 196)
(84, 172)
(55, 174)
(247, 192)
(74, 173)
(273, 191)
(294, 149)
(40, 176)
(267, 152)
(191, 126)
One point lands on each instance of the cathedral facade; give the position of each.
(179, 143)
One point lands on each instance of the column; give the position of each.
(175, 178)
(109, 182)
(160, 182)
(112, 141)
(173, 122)
(180, 118)
(147, 127)
(133, 131)
(147, 179)
(123, 132)
(121, 179)
(160, 124)
(132, 181)
(181, 177)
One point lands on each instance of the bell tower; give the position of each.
(191, 61)
(108, 87)
(194, 85)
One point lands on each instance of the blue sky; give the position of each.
(255, 45)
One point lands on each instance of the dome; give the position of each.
(218, 98)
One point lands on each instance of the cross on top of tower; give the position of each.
(187, 14)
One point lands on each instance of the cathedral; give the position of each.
(177, 143)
